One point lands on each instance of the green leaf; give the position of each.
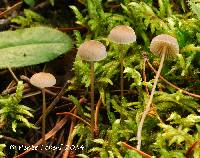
(82, 156)
(2, 146)
(31, 46)
(14, 126)
(30, 2)
(130, 153)
(99, 141)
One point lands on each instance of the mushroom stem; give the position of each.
(139, 132)
(92, 94)
(43, 115)
(121, 70)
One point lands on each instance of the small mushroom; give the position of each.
(122, 35)
(43, 80)
(92, 51)
(164, 46)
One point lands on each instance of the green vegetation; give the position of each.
(172, 126)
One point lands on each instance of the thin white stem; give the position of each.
(139, 132)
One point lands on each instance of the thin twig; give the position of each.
(13, 75)
(10, 9)
(22, 144)
(12, 89)
(51, 133)
(69, 113)
(69, 140)
(172, 85)
(69, 29)
(135, 149)
(55, 101)
(96, 121)
(191, 148)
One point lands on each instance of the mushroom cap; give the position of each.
(166, 43)
(122, 34)
(92, 51)
(42, 80)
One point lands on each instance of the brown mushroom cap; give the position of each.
(166, 43)
(92, 51)
(42, 80)
(122, 34)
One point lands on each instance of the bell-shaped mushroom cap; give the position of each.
(92, 51)
(42, 80)
(122, 34)
(166, 43)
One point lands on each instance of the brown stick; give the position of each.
(96, 121)
(172, 85)
(13, 74)
(51, 133)
(55, 101)
(22, 144)
(69, 140)
(69, 29)
(69, 113)
(14, 7)
(191, 148)
(135, 149)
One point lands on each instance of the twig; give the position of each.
(69, 140)
(135, 149)
(13, 75)
(15, 141)
(96, 121)
(69, 113)
(172, 85)
(55, 101)
(10, 9)
(12, 89)
(191, 148)
(59, 141)
(11, 84)
(51, 133)
(69, 29)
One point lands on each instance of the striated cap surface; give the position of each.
(42, 80)
(164, 43)
(92, 51)
(122, 34)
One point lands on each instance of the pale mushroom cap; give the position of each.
(42, 80)
(122, 34)
(92, 51)
(166, 43)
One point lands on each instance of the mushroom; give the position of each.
(122, 35)
(164, 46)
(92, 51)
(43, 80)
